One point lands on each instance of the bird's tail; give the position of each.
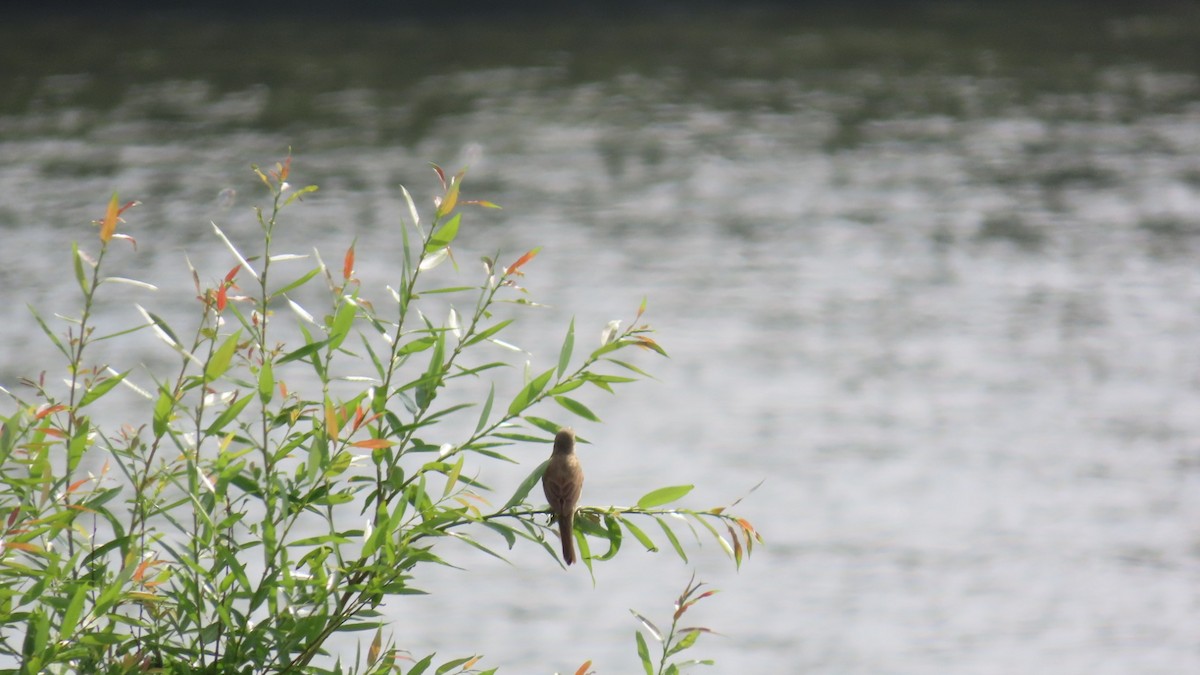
(567, 534)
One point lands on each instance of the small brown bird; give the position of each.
(562, 482)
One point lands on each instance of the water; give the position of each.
(930, 273)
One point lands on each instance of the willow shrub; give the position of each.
(257, 503)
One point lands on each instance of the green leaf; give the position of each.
(449, 289)
(300, 193)
(487, 332)
(266, 382)
(527, 438)
(545, 425)
(452, 476)
(71, 616)
(342, 321)
(100, 389)
(664, 495)
(418, 345)
(36, 634)
(673, 539)
(582, 548)
(564, 354)
(576, 407)
(607, 348)
(451, 665)
(444, 235)
(487, 409)
(219, 363)
(612, 532)
(640, 535)
(421, 666)
(630, 366)
(166, 329)
(78, 444)
(504, 531)
(428, 385)
(302, 352)
(644, 652)
(228, 416)
(608, 379)
(529, 393)
(49, 333)
(79, 275)
(525, 487)
(689, 638)
(297, 283)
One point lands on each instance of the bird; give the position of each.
(562, 483)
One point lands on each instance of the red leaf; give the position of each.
(348, 263)
(140, 573)
(75, 486)
(511, 269)
(50, 411)
(583, 670)
(373, 443)
(22, 546)
(222, 297)
(441, 175)
(232, 274)
(12, 515)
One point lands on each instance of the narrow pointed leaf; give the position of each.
(529, 393)
(233, 249)
(449, 201)
(111, 215)
(79, 273)
(664, 495)
(649, 625)
(487, 409)
(640, 535)
(228, 415)
(488, 332)
(525, 487)
(444, 235)
(342, 321)
(266, 382)
(100, 389)
(221, 358)
(673, 539)
(564, 354)
(516, 267)
(643, 652)
(74, 611)
(576, 407)
(302, 352)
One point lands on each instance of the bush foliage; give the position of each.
(257, 503)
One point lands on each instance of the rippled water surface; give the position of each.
(931, 273)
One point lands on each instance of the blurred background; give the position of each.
(930, 270)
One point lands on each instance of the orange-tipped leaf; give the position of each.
(512, 269)
(111, 216)
(348, 263)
